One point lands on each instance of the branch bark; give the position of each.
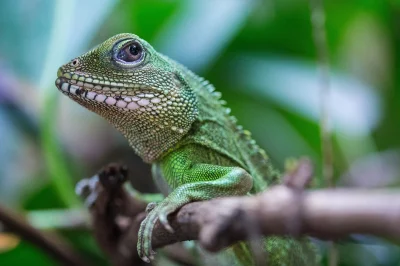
(284, 210)
(325, 214)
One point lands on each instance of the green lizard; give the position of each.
(176, 121)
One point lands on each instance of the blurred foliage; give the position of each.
(260, 54)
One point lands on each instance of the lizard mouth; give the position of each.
(112, 98)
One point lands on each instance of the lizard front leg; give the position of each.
(213, 181)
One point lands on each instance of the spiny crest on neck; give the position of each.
(257, 153)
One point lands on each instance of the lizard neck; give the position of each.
(216, 129)
(147, 140)
(149, 147)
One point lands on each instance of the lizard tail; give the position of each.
(279, 251)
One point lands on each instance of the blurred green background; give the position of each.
(260, 54)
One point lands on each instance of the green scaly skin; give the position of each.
(175, 120)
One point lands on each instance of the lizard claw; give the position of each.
(145, 259)
(144, 237)
(148, 259)
(154, 212)
(163, 218)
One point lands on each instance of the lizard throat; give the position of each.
(152, 119)
(98, 93)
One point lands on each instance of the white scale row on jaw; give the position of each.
(131, 103)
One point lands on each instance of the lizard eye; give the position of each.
(131, 52)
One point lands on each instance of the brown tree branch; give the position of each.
(325, 214)
(282, 210)
(49, 243)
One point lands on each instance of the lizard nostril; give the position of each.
(75, 62)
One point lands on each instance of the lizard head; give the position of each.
(138, 90)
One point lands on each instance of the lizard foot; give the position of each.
(159, 212)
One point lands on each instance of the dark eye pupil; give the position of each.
(134, 49)
(132, 52)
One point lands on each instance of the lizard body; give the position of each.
(176, 121)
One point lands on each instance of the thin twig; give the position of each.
(318, 23)
(51, 244)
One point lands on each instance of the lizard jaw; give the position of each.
(124, 102)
